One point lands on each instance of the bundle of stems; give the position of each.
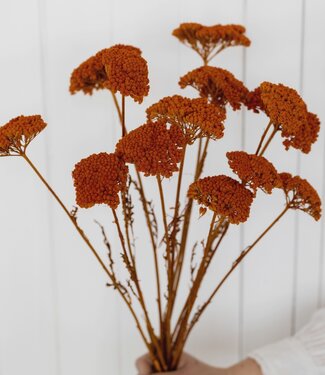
(160, 149)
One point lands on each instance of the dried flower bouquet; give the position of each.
(158, 149)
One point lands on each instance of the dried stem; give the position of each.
(191, 298)
(233, 267)
(263, 137)
(269, 140)
(201, 156)
(121, 114)
(117, 106)
(134, 278)
(100, 261)
(124, 131)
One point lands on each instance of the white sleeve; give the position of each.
(302, 354)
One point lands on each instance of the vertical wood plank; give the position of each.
(308, 232)
(79, 126)
(26, 308)
(268, 276)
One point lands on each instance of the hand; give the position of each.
(188, 366)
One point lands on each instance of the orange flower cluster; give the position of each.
(254, 171)
(118, 68)
(223, 195)
(98, 179)
(16, 135)
(207, 41)
(196, 117)
(289, 113)
(303, 196)
(218, 85)
(153, 148)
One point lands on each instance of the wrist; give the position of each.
(246, 367)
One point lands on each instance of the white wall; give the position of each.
(56, 315)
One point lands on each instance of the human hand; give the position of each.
(188, 366)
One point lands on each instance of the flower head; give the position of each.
(301, 195)
(153, 148)
(16, 135)
(223, 195)
(118, 68)
(98, 179)
(254, 171)
(218, 85)
(207, 41)
(196, 117)
(288, 112)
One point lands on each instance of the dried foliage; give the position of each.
(223, 195)
(218, 85)
(288, 113)
(301, 195)
(119, 68)
(160, 148)
(154, 148)
(196, 117)
(16, 135)
(98, 179)
(208, 41)
(254, 171)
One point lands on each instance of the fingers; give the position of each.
(143, 365)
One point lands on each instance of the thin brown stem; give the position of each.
(121, 114)
(124, 131)
(192, 295)
(117, 106)
(216, 53)
(134, 278)
(269, 141)
(154, 248)
(233, 267)
(166, 324)
(98, 258)
(201, 156)
(263, 137)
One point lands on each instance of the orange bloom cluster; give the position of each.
(207, 41)
(153, 148)
(223, 195)
(16, 135)
(196, 117)
(218, 85)
(301, 195)
(118, 68)
(254, 171)
(288, 111)
(98, 179)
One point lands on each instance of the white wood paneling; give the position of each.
(27, 318)
(309, 246)
(56, 315)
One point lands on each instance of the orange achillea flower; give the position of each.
(98, 179)
(207, 41)
(16, 135)
(304, 196)
(218, 85)
(289, 113)
(223, 195)
(118, 68)
(254, 171)
(153, 148)
(301, 195)
(196, 117)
